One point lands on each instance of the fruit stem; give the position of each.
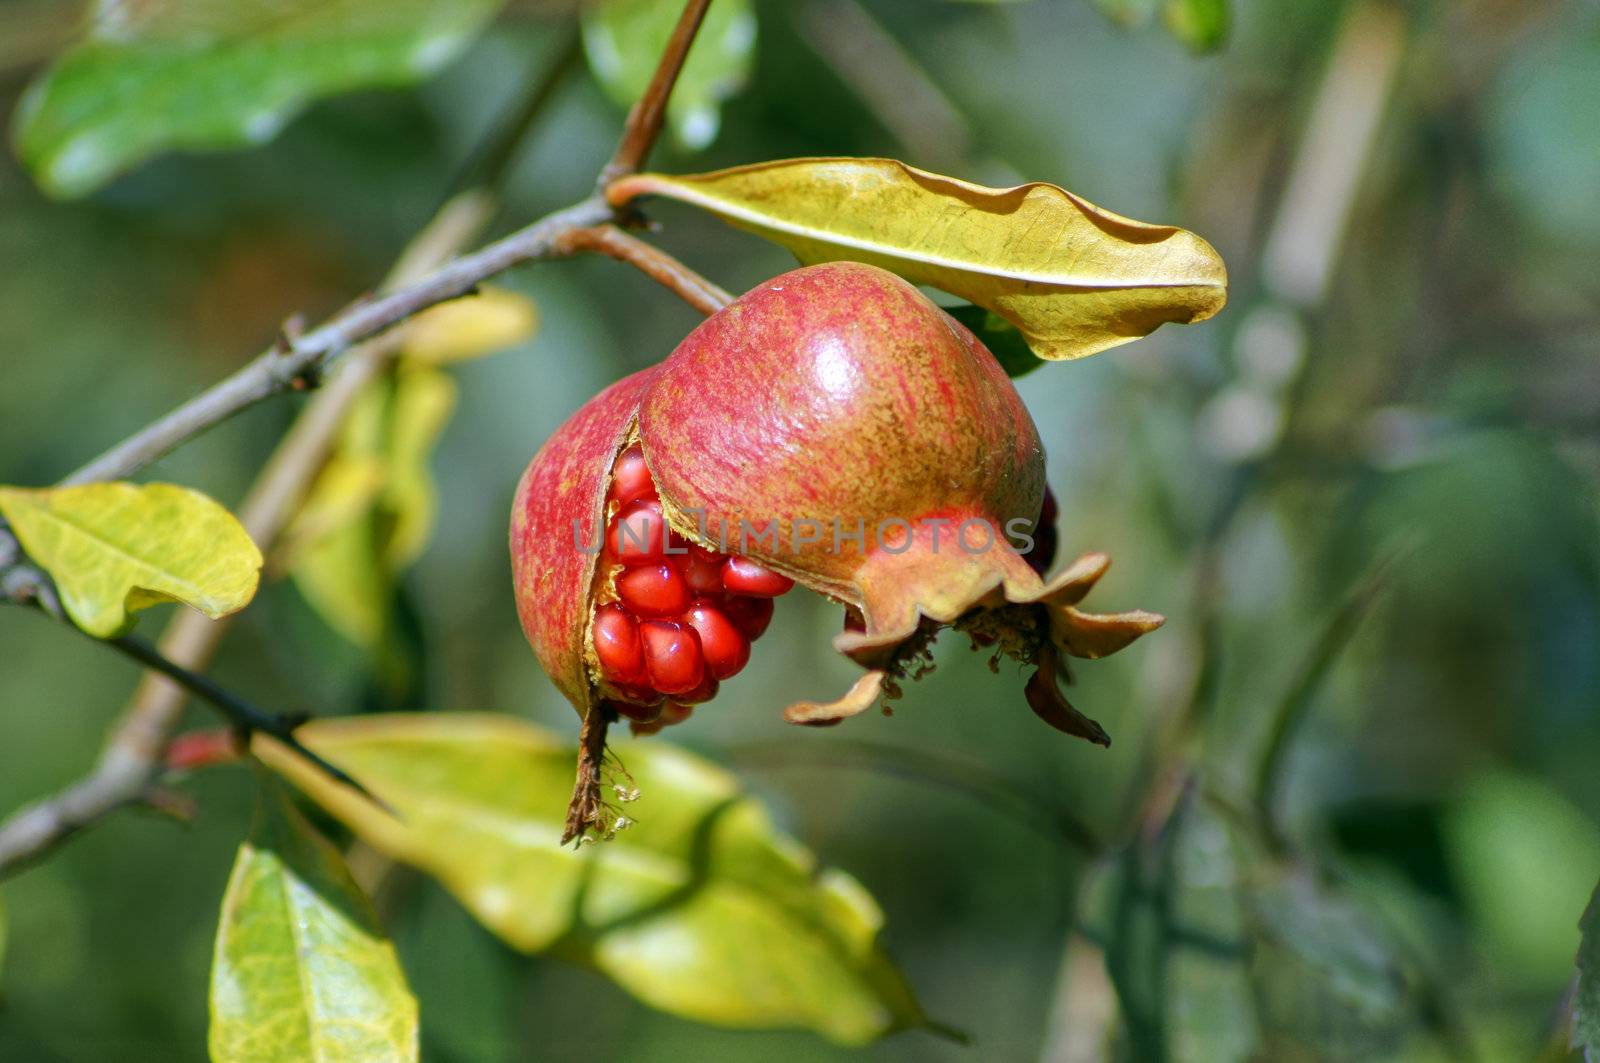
(646, 117)
(587, 809)
(653, 262)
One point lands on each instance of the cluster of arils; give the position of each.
(672, 619)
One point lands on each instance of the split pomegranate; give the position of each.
(834, 428)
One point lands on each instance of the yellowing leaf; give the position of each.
(701, 908)
(1073, 278)
(423, 401)
(342, 494)
(371, 511)
(114, 548)
(301, 969)
(470, 327)
(1200, 24)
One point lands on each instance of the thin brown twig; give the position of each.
(653, 262)
(291, 363)
(647, 115)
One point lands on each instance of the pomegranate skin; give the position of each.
(828, 394)
(557, 519)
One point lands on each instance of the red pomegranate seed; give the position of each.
(636, 535)
(723, 645)
(749, 615)
(740, 575)
(616, 644)
(703, 573)
(629, 710)
(700, 694)
(672, 656)
(630, 479)
(653, 590)
(640, 693)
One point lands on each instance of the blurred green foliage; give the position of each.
(1440, 794)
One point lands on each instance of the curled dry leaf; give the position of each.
(1072, 277)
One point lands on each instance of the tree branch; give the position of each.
(653, 262)
(292, 363)
(646, 116)
(245, 716)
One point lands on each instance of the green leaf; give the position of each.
(1202, 25)
(1129, 14)
(207, 74)
(115, 548)
(1586, 1003)
(371, 511)
(624, 39)
(301, 970)
(1000, 336)
(1524, 857)
(701, 908)
(1072, 277)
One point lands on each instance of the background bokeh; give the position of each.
(1407, 370)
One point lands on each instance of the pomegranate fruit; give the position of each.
(832, 428)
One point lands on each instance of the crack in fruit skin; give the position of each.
(672, 619)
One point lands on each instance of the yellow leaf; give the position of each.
(702, 908)
(1073, 278)
(115, 548)
(424, 398)
(470, 327)
(342, 494)
(371, 511)
(343, 578)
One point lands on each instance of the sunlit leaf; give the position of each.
(1200, 24)
(624, 39)
(371, 511)
(114, 548)
(302, 970)
(206, 74)
(1073, 278)
(1000, 336)
(490, 320)
(1586, 1003)
(701, 908)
